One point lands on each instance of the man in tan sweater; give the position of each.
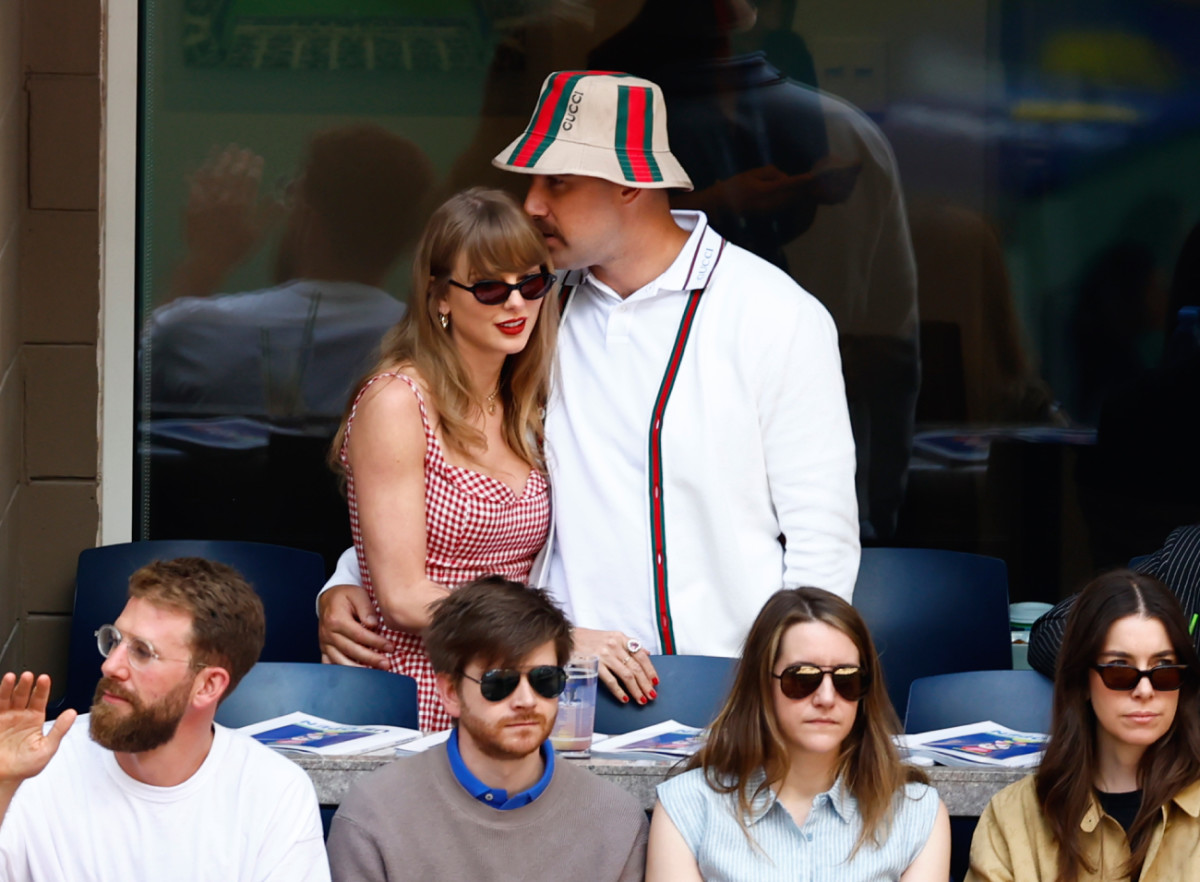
(492, 802)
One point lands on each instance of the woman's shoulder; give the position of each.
(692, 791)
(690, 782)
(1016, 800)
(916, 803)
(399, 390)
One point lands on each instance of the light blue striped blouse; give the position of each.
(816, 851)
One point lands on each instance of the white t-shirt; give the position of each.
(246, 815)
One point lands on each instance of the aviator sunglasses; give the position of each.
(802, 680)
(493, 292)
(1125, 678)
(547, 681)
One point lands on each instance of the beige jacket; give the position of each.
(1013, 843)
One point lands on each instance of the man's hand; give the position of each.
(347, 631)
(224, 222)
(618, 666)
(24, 750)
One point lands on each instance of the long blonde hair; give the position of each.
(491, 232)
(746, 739)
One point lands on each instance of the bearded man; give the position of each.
(492, 803)
(147, 786)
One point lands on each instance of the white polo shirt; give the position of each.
(756, 444)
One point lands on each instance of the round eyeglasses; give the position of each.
(139, 652)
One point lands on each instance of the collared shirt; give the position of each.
(818, 850)
(1014, 843)
(207, 356)
(493, 796)
(756, 444)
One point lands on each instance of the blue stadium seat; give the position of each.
(356, 696)
(933, 612)
(1021, 700)
(691, 690)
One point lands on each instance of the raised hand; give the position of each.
(24, 750)
(225, 220)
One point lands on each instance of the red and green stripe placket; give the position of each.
(658, 527)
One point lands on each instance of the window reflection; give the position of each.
(992, 199)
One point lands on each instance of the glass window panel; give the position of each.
(996, 201)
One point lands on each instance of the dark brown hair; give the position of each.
(368, 186)
(497, 621)
(228, 623)
(1065, 777)
(745, 738)
(494, 236)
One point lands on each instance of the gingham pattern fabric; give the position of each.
(474, 526)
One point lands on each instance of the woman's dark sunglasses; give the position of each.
(493, 292)
(802, 680)
(547, 681)
(1125, 678)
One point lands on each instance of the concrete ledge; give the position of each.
(965, 791)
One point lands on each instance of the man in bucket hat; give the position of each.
(698, 441)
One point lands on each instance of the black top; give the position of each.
(1121, 807)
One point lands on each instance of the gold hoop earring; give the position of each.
(444, 318)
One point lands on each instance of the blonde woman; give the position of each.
(441, 445)
(799, 777)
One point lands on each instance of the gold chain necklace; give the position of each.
(490, 401)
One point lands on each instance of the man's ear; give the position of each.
(627, 195)
(211, 683)
(447, 689)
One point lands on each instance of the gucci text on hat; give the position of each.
(601, 124)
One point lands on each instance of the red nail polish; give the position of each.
(656, 681)
(624, 699)
(642, 700)
(653, 694)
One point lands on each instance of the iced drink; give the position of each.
(572, 735)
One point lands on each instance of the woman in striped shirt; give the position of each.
(800, 778)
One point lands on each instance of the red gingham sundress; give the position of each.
(474, 526)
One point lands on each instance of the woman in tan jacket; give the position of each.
(1117, 796)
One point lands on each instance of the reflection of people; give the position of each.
(354, 208)
(965, 286)
(808, 182)
(440, 447)
(801, 747)
(1118, 793)
(1176, 565)
(1144, 478)
(702, 414)
(1118, 322)
(144, 786)
(493, 803)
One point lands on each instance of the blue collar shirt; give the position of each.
(496, 798)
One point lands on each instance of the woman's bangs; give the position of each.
(511, 245)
